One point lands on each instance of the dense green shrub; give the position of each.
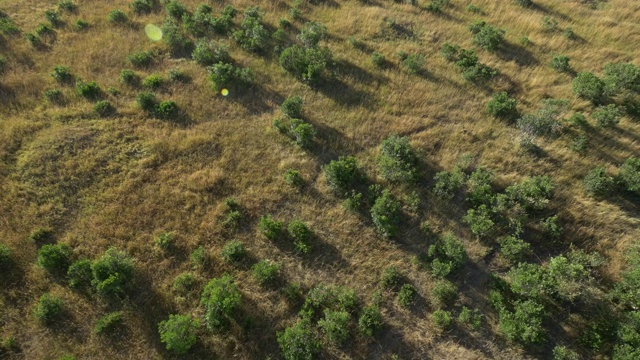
(207, 53)
(391, 278)
(524, 324)
(48, 309)
(588, 86)
(513, 248)
(80, 25)
(385, 214)
(342, 174)
(266, 272)
(54, 258)
(178, 333)
(117, 17)
(378, 60)
(398, 161)
(302, 133)
(312, 33)
(5, 256)
(222, 75)
(306, 64)
(147, 101)
(524, 3)
(80, 274)
(448, 183)
(109, 323)
(165, 241)
(129, 77)
(442, 319)
(112, 272)
(234, 251)
(335, 326)
(598, 183)
(293, 178)
(407, 295)
(471, 318)
(270, 228)
(167, 109)
(220, 298)
(53, 17)
(252, 35)
(502, 106)
(179, 44)
(62, 74)
(141, 7)
(184, 283)
(198, 257)
(104, 108)
(45, 31)
(298, 342)
(153, 81)
(564, 353)
(301, 234)
(175, 9)
(474, 9)
(88, 90)
(479, 220)
(607, 115)
(370, 320)
(292, 107)
(67, 5)
(629, 174)
(413, 63)
(450, 52)
(444, 293)
(569, 276)
(487, 36)
(141, 58)
(530, 280)
(620, 77)
(546, 120)
(560, 63)
(447, 254)
(222, 24)
(7, 26)
(578, 119)
(479, 189)
(532, 193)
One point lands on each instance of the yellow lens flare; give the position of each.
(224, 92)
(153, 32)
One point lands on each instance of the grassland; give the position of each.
(122, 181)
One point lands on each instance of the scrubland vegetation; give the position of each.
(330, 179)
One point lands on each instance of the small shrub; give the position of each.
(370, 321)
(207, 53)
(474, 9)
(80, 25)
(447, 254)
(40, 235)
(378, 60)
(413, 63)
(179, 44)
(450, 52)
(479, 189)
(560, 63)
(129, 77)
(104, 108)
(53, 17)
(270, 228)
(54, 96)
(184, 283)
(334, 325)
(551, 226)
(220, 298)
(513, 248)
(118, 17)
(167, 109)
(67, 5)
(178, 333)
(502, 106)
(598, 183)
(444, 293)
(176, 75)
(342, 174)
(141, 58)
(79, 274)
(141, 7)
(629, 174)
(266, 272)
(532, 193)
(293, 178)
(564, 353)
(524, 3)
(153, 81)
(442, 319)
(398, 161)
(198, 257)
(175, 9)
(569, 34)
(549, 24)
(471, 318)
(5, 256)
(292, 107)
(48, 309)
(88, 90)
(312, 33)
(62, 74)
(222, 75)
(146, 101)
(385, 214)
(487, 36)
(525, 41)
(621, 77)
(524, 324)
(234, 251)
(607, 115)
(298, 342)
(307, 64)
(301, 234)
(112, 273)
(252, 35)
(448, 183)
(33, 40)
(407, 295)
(578, 119)
(391, 278)
(109, 323)
(588, 86)
(479, 220)
(165, 241)
(302, 133)
(54, 258)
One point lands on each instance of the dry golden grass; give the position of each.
(122, 181)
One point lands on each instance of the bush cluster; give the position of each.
(220, 298)
(385, 214)
(112, 273)
(54, 258)
(588, 86)
(342, 174)
(486, 36)
(398, 161)
(502, 105)
(446, 255)
(252, 35)
(223, 75)
(178, 333)
(306, 64)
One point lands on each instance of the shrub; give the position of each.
(564, 353)
(608, 115)
(7, 26)
(620, 77)
(342, 174)
(298, 342)
(147, 101)
(179, 44)
(104, 108)
(448, 183)
(629, 174)
(178, 333)
(312, 33)
(569, 276)
(479, 221)
(398, 160)
(53, 17)
(222, 75)
(5, 256)
(370, 320)
(578, 119)
(513, 248)
(67, 5)
(80, 274)
(301, 234)
(40, 235)
(165, 241)
(524, 3)
(198, 257)
(176, 75)
(472, 318)
(80, 25)
(234, 251)
(307, 64)
(141, 7)
(141, 58)
(207, 53)
(223, 23)
(302, 133)
(487, 36)
(524, 324)
(413, 63)
(88, 90)
(54, 258)
(167, 109)
(292, 107)
(442, 319)
(118, 17)
(391, 278)
(551, 226)
(446, 254)
(444, 293)
(62, 74)
(407, 295)
(48, 309)
(175, 9)
(532, 193)
(293, 178)
(153, 81)
(378, 60)
(451, 52)
(266, 272)
(184, 283)
(220, 298)
(270, 228)
(479, 189)
(545, 121)
(502, 106)
(560, 63)
(473, 9)
(588, 86)
(598, 183)
(109, 323)
(385, 214)
(252, 35)
(334, 325)
(112, 272)
(54, 96)
(549, 24)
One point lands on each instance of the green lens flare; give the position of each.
(153, 32)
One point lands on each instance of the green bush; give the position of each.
(588, 86)
(45, 31)
(252, 35)
(370, 320)
(234, 251)
(292, 107)
(112, 273)
(569, 276)
(266, 272)
(391, 278)
(141, 7)
(7, 26)
(442, 319)
(451, 52)
(525, 3)
(447, 254)
(598, 183)
(53, 17)
(502, 106)
(479, 221)
(302, 133)
(530, 280)
(177, 75)
(621, 77)
(607, 115)
(479, 189)
(293, 178)
(629, 174)
(67, 5)
(147, 101)
(513, 248)
(88, 90)
(165, 241)
(222, 75)
(312, 33)
(48, 309)
(474, 9)
(80, 25)
(448, 183)
(167, 109)
(270, 228)
(472, 318)
(222, 24)
(141, 59)
(198, 257)
(532, 193)
(545, 121)
(178, 333)
(564, 353)
(560, 63)
(118, 17)
(298, 342)
(207, 53)
(413, 63)
(104, 108)
(444, 293)
(175, 9)
(342, 174)
(184, 283)
(109, 323)
(80, 274)
(62, 74)
(54, 258)
(129, 77)
(179, 44)
(5, 256)
(378, 60)
(385, 214)
(549, 24)
(220, 298)
(398, 161)
(335, 326)
(407, 295)
(306, 64)
(487, 36)
(153, 81)
(301, 234)
(578, 119)
(524, 324)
